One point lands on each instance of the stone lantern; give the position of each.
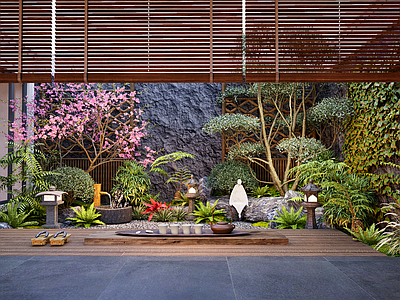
(192, 194)
(51, 199)
(311, 203)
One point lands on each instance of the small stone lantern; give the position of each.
(311, 203)
(192, 194)
(51, 199)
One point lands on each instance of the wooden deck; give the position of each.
(306, 242)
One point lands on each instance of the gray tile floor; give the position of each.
(205, 278)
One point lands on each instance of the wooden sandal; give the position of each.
(60, 240)
(40, 239)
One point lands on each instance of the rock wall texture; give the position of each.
(177, 112)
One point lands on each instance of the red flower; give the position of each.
(155, 207)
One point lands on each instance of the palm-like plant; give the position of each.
(204, 213)
(16, 219)
(290, 219)
(86, 217)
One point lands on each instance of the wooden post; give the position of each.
(223, 113)
(97, 195)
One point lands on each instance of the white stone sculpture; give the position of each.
(238, 198)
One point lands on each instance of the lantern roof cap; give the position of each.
(51, 191)
(311, 187)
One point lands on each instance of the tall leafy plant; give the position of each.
(178, 175)
(133, 180)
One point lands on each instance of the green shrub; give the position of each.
(224, 176)
(86, 217)
(76, 182)
(261, 224)
(133, 180)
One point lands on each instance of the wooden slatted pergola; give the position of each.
(199, 40)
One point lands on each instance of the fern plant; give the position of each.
(179, 175)
(204, 213)
(290, 219)
(86, 217)
(264, 191)
(14, 218)
(370, 236)
(26, 169)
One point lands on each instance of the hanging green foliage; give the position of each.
(373, 133)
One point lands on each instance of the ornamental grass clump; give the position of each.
(391, 235)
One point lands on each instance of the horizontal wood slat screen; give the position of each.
(105, 173)
(200, 40)
(325, 38)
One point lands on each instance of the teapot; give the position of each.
(222, 226)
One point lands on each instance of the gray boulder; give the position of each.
(4, 225)
(63, 214)
(263, 209)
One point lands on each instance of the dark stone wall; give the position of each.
(177, 112)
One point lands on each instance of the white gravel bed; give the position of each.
(136, 224)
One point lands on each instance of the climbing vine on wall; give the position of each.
(373, 133)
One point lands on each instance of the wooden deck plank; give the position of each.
(17, 242)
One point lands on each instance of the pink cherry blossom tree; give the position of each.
(84, 114)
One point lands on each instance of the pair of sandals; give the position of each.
(43, 237)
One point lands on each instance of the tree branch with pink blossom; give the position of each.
(85, 114)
